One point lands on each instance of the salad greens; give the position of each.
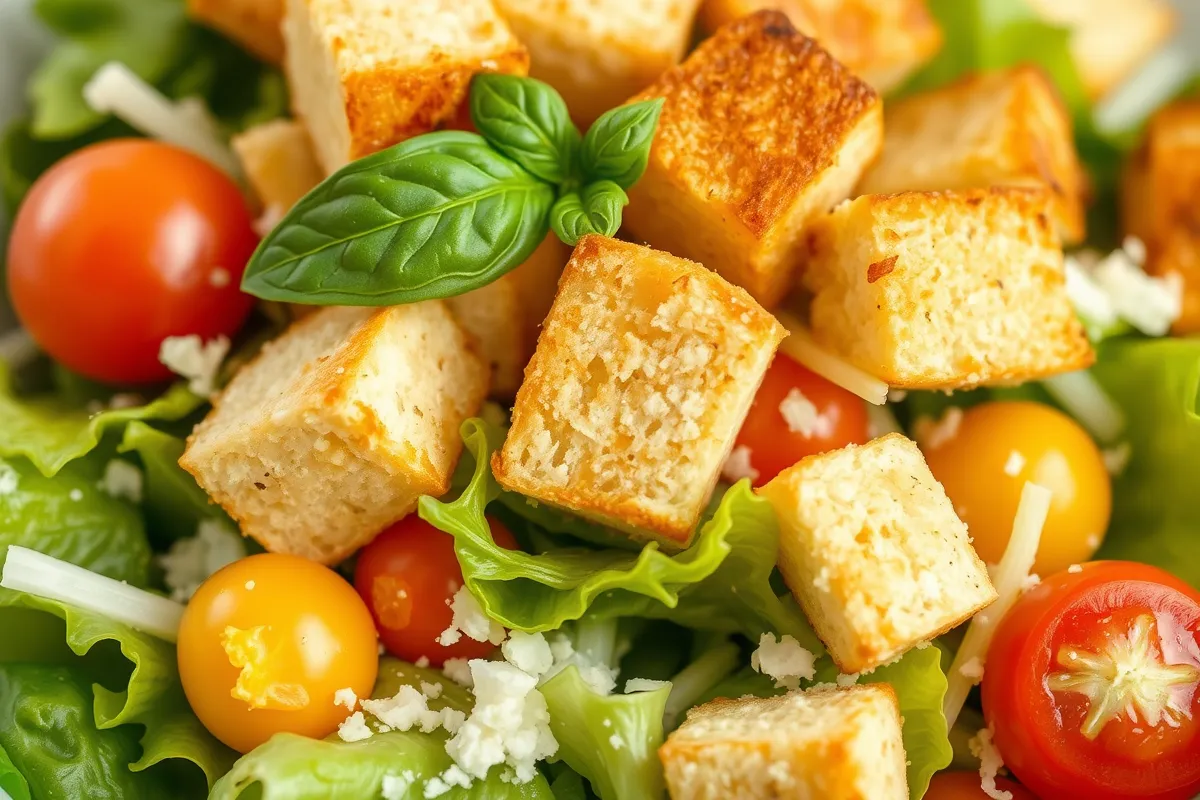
(12, 782)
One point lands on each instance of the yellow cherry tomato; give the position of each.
(996, 449)
(266, 642)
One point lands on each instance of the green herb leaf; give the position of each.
(526, 120)
(435, 216)
(617, 146)
(597, 209)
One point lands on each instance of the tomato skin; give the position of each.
(1038, 730)
(118, 246)
(407, 576)
(967, 786)
(1050, 449)
(773, 446)
(319, 637)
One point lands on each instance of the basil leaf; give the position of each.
(597, 209)
(526, 120)
(617, 146)
(435, 216)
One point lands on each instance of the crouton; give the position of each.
(338, 426)
(761, 132)
(1110, 39)
(279, 163)
(1005, 128)
(644, 371)
(880, 41)
(598, 53)
(1159, 202)
(832, 743)
(364, 76)
(254, 24)
(871, 548)
(506, 315)
(945, 290)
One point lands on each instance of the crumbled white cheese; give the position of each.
(453, 776)
(190, 560)
(509, 724)
(616, 741)
(469, 618)
(529, 652)
(9, 479)
(847, 678)
(345, 697)
(784, 660)
(1074, 569)
(1088, 298)
(801, 416)
(972, 668)
(933, 435)
(218, 277)
(600, 678)
(1031, 580)
(1135, 248)
(431, 690)
(249, 586)
(1148, 303)
(76, 495)
(737, 465)
(194, 359)
(354, 728)
(1116, 458)
(122, 480)
(990, 764)
(457, 670)
(644, 685)
(422, 662)
(395, 787)
(409, 708)
(1014, 464)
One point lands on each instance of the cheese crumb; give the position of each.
(737, 465)
(354, 728)
(122, 480)
(1031, 580)
(345, 697)
(469, 618)
(431, 690)
(395, 787)
(616, 741)
(528, 652)
(847, 679)
(218, 277)
(194, 359)
(802, 417)
(644, 685)
(422, 662)
(9, 480)
(932, 435)
(600, 678)
(409, 708)
(75, 494)
(1116, 458)
(972, 668)
(990, 764)
(785, 661)
(1074, 569)
(250, 586)
(190, 560)
(1014, 464)
(457, 670)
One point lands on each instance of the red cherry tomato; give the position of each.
(407, 575)
(969, 786)
(1091, 685)
(122, 244)
(840, 419)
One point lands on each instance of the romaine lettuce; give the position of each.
(14, 785)
(722, 582)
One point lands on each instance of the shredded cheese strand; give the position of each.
(800, 347)
(1085, 399)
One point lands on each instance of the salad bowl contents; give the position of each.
(521, 399)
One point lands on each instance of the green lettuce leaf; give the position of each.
(569, 785)
(290, 767)
(71, 518)
(14, 785)
(612, 740)
(722, 582)
(48, 730)
(51, 432)
(1156, 508)
(135, 683)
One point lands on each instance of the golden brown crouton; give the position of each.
(1161, 202)
(945, 290)
(1109, 38)
(1005, 128)
(829, 743)
(506, 315)
(338, 426)
(761, 132)
(598, 53)
(644, 371)
(364, 76)
(880, 41)
(872, 549)
(279, 163)
(254, 24)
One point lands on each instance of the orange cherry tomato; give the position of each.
(968, 786)
(997, 448)
(835, 418)
(266, 642)
(122, 244)
(407, 576)
(1092, 683)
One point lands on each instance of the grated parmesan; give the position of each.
(634, 685)
(1085, 400)
(801, 416)
(1014, 464)
(9, 479)
(973, 669)
(737, 465)
(345, 697)
(800, 347)
(190, 560)
(194, 359)
(122, 480)
(785, 661)
(932, 435)
(990, 764)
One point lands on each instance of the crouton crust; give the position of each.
(254, 24)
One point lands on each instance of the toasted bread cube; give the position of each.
(762, 131)
(1110, 39)
(1159, 202)
(871, 548)
(254, 24)
(945, 290)
(279, 163)
(1006, 128)
(364, 76)
(644, 371)
(880, 41)
(598, 53)
(829, 743)
(338, 426)
(506, 315)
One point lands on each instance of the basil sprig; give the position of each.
(445, 213)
